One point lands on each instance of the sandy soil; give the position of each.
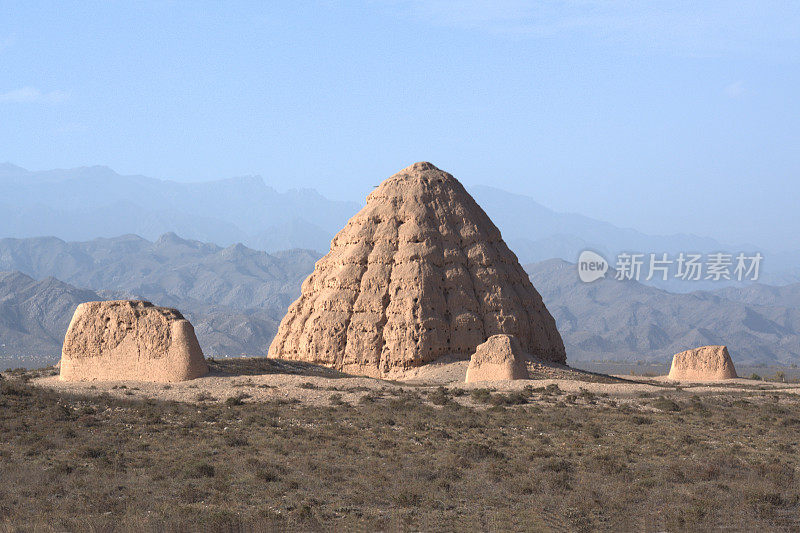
(261, 380)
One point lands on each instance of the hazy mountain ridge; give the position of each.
(84, 203)
(87, 202)
(171, 270)
(528, 226)
(234, 296)
(536, 233)
(34, 315)
(626, 320)
(759, 294)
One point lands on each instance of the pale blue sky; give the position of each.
(663, 116)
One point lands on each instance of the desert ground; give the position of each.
(263, 444)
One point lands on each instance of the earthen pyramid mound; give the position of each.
(703, 364)
(130, 340)
(500, 357)
(418, 273)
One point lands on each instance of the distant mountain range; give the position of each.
(85, 203)
(34, 314)
(171, 271)
(236, 296)
(89, 202)
(626, 320)
(536, 233)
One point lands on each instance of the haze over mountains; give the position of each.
(236, 296)
(88, 202)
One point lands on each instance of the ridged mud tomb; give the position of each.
(499, 358)
(703, 364)
(130, 340)
(418, 273)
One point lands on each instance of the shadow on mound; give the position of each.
(256, 366)
(538, 369)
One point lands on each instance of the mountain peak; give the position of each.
(15, 276)
(170, 238)
(236, 251)
(8, 166)
(253, 179)
(97, 171)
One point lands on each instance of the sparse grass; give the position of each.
(587, 395)
(204, 397)
(236, 440)
(400, 460)
(200, 470)
(552, 388)
(512, 398)
(439, 396)
(481, 395)
(236, 400)
(336, 399)
(665, 404)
